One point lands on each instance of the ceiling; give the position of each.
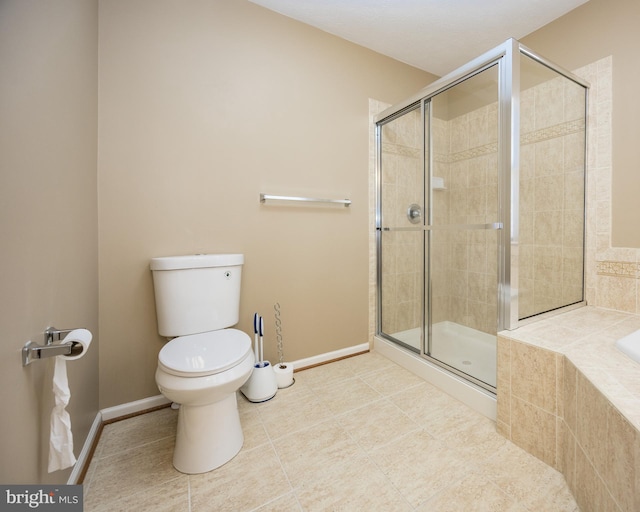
(437, 36)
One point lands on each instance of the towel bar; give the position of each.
(269, 197)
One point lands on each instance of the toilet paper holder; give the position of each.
(32, 351)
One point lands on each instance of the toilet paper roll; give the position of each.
(60, 436)
(81, 336)
(284, 374)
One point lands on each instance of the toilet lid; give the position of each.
(206, 353)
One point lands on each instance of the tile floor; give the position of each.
(360, 434)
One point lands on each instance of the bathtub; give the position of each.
(630, 345)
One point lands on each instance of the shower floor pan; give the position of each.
(470, 351)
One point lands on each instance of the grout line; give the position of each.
(370, 459)
(275, 451)
(189, 491)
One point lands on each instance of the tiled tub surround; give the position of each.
(569, 397)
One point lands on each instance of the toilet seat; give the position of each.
(207, 353)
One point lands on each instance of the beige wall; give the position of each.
(203, 106)
(48, 220)
(595, 30)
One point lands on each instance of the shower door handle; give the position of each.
(496, 226)
(443, 227)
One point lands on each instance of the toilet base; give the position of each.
(208, 436)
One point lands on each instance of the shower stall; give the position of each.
(480, 214)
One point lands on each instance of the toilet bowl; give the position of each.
(202, 373)
(205, 362)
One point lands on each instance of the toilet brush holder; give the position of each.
(262, 385)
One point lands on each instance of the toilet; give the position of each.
(205, 362)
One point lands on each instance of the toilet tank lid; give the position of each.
(196, 261)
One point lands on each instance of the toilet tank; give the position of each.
(196, 293)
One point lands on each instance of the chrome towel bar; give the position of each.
(269, 197)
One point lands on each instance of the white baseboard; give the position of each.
(132, 407)
(329, 356)
(83, 458)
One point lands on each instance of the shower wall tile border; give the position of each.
(619, 269)
(553, 132)
(468, 154)
(399, 149)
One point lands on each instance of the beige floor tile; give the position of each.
(91, 469)
(130, 471)
(366, 363)
(528, 480)
(433, 409)
(139, 430)
(310, 454)
(417, 401)
(420, 466)
(377, 424)
(253, 429)
(292, 409)
(319, 376)
(346, 489)
(172, 496)
(476, 437)
(475, 493)
(252, 478)
(392, 379)
(346, 395)
(286, 503)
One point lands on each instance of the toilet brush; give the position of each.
(261, 385)
(261, 362)
(256, 352)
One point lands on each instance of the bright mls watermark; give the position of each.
(49, 498)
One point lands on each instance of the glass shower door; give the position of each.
(463, 228)
(480, 220)
(400, 229)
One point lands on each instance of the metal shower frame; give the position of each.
(507, 57)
